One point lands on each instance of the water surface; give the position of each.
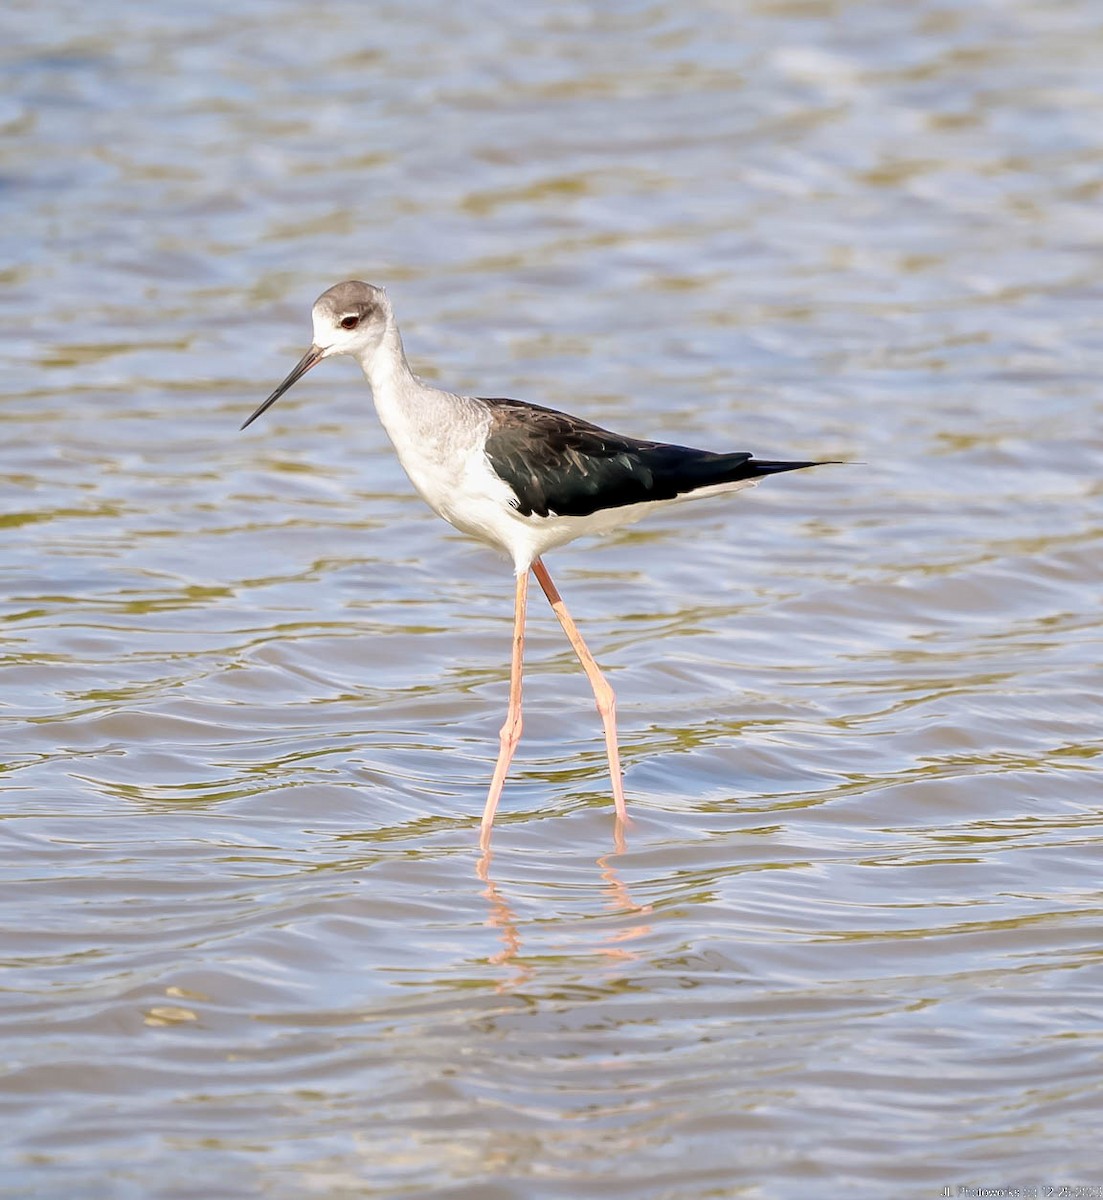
(251, 687)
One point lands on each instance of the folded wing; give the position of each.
(557, 464)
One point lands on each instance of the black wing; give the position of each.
(556, 463)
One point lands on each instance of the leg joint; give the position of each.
(603, 694)
(510, 733)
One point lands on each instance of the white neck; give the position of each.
(402, 401)
(385, 366)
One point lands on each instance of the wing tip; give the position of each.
(765, 466)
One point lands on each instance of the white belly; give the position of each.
(489, 516)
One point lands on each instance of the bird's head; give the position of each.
(350, 318)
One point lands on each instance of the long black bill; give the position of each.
(310, 359)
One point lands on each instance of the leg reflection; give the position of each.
(618, 900)
(502, 918)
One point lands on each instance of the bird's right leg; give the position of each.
(511, 731)
(603, 693)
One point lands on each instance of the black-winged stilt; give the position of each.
(522, 478)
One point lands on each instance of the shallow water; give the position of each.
(251, 687)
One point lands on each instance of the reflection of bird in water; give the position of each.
(619, 899)
(504, 919)
(523, 478)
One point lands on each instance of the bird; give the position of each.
(519, 477)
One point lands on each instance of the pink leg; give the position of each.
(603, 693)
(511, 730)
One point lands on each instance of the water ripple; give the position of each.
(251, 690)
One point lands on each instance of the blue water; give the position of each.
(251, 688)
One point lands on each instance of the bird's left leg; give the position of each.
(511, 731)
(603, 693)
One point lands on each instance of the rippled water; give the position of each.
(251, 687)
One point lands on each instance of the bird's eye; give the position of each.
(350, 322)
